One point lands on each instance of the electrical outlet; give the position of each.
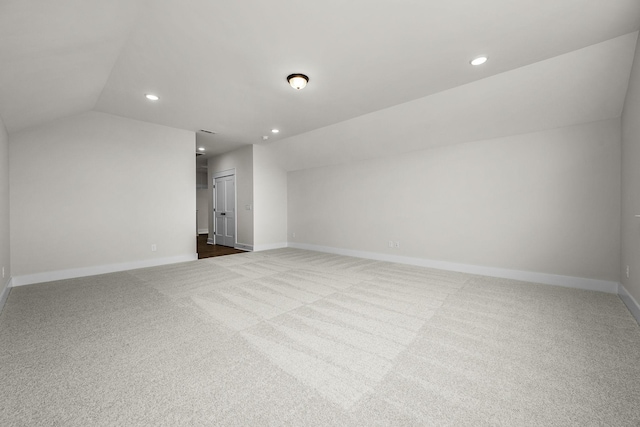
(397, 245)
(293, 234)
(627, 272)
(154, 248)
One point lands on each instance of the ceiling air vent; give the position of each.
(207, 131)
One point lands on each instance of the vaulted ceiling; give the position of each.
(221, 65)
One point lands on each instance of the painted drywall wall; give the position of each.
(97, 189)
(630, 224)
(202, 200)
(270, 200)
(202, 205)
(201, 179)
(242, 161)
(5, 258)
(544, 202)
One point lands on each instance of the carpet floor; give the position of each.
(298, 338)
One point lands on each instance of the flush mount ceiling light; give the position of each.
(275, 130)
(152, 97)
(297, 81)
(201, 148)
(479, 60)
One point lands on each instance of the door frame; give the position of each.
(211, 240)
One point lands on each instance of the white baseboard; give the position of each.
(50, 276)
(203, 231)
(5, 294)
(211, 241)
(270, 246)
(244, 247)
(525, 276)
(630, 302)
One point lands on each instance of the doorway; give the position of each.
(224, 210)
(206, 200)
(208, 250)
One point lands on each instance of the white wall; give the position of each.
(202, 200)
(96, 190)
(242, 161)
(202, 205)
(5, 259)
(541, 202)
(270, 200)
(202, 179)
(631, 183)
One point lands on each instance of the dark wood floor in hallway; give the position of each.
(208, 251)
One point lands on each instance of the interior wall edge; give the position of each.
(5, 294)
(525, 276)
(32, 279)
(630, 302)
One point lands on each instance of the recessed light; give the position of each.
(151, 97)
(274, 131)
(479, 60)
(201, 148)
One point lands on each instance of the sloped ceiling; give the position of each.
(221, 65)
(582, 86)
(56, 56)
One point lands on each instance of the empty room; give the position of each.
(360, 213)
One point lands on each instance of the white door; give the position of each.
(225, 210)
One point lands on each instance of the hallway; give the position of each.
(208, 251)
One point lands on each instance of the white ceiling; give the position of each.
(582, 86)
(221, 65)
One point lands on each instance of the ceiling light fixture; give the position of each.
(297, 81)
(479, 60)
(274, 131)
(201, 148)
(152, 97)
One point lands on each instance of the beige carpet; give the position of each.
(298, 338)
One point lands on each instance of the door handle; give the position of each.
(223, 213)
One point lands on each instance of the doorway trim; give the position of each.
(211, 240)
